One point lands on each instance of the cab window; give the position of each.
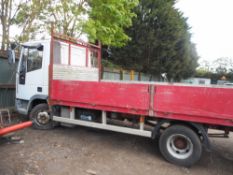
(34, 58)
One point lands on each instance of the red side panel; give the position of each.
(119, 97)
(198, 104)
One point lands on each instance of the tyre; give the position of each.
(40, 115)
(180, 145)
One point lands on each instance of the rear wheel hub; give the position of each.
(179, 146)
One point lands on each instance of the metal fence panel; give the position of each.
(7, 72)
(7, 97)
(7, 83)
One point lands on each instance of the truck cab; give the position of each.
(32, 75)
(70, 62)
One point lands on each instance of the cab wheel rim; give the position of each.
(43, 117)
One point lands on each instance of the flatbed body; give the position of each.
(210, 105)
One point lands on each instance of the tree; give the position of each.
(68, 16)
(25, 14)
(221, 67)
(29, 18)
(102, 20)
(37, 15)
(7, 15)
(5, 21)
(160, 42)
(108, 19)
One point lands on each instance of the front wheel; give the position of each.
(41, 117)
(180, 145)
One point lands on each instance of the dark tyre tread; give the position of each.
(180, 129)
(33, 114)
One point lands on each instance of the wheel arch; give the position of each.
(35, 100)
(196, 127)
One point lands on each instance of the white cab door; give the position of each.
(31, 73)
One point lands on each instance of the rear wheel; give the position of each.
(41, 117)
(180, 145)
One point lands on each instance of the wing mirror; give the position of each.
(11, 53)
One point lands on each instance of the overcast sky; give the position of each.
(212, 26)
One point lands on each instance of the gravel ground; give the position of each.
(85, 151)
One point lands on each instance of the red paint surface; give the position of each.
(196, 104)
(119, 97)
